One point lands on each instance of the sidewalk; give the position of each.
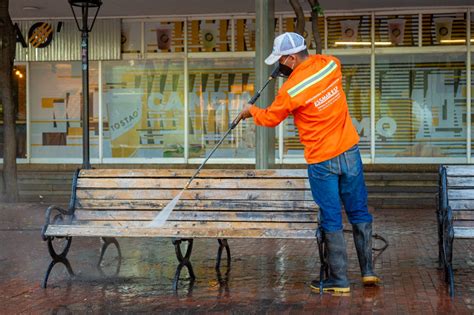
(266, 276)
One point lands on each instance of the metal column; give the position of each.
(265, 33)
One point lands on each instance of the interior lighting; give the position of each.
(455, 41)
(362, 43)
(30, 8)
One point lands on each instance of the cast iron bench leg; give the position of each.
(57, 258)
(106, 241)
(183, 260)
(222, 244)
(441, 213)
(448, 238)
(440, 238)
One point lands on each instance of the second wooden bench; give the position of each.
(455, 213)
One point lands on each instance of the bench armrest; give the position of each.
(57, 218)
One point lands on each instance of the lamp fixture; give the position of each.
(84, 8)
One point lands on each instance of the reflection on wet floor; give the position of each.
(265, 275)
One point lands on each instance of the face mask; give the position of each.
(285, 70)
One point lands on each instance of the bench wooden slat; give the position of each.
(198, 232)
(460, 232)
(464, 223)
(250, 205)
(173, 183)
(463, 215)
(194, 194)
(459, 170)
(460, 205)
(460, 182)
(460, 194)
(200, 224)
(199, 216)
(401, 183)
(229, 225)
(187, 173)
(404, 195)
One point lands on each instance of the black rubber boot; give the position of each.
(337, 261)
(363, 242)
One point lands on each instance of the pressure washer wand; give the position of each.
(161, 218)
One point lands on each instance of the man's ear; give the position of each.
(293, 60)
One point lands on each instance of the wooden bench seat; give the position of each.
(455, 212)
(221, 204)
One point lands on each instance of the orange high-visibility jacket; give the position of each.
(313, 94)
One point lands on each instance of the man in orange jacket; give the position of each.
(313, 94)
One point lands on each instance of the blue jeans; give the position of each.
(340, 178)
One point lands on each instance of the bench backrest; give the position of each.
(278, 201)
(460, 197)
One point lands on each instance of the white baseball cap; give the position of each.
(286, 44)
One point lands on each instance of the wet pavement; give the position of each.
(267, 276)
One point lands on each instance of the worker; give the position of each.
(313, 94)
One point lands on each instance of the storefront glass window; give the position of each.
(19, 99)
(420, 98)
(472, 100)
(143, 108)
(420, 105)
(218, 90)
(356, 84)
(292, 148)
(56, 110)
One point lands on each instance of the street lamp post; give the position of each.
(85, 10)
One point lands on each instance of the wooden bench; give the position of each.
(220, 204)
(455, 213)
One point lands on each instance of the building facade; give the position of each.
(164, 89)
